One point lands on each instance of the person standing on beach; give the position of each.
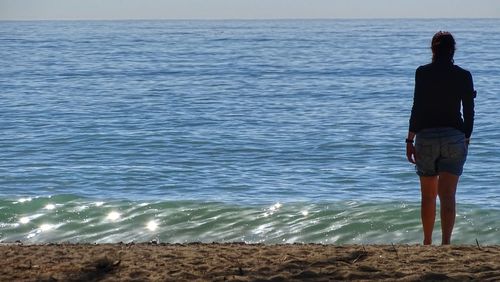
(442, 136)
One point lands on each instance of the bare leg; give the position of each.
(429, 188)
(446, 189)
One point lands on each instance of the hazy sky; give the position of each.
(246, 9)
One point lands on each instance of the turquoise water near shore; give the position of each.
(256, 131)
(66, 218)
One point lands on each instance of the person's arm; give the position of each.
(414, 109)
(410, 147)
(468, 107)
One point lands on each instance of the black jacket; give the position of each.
(441, 90)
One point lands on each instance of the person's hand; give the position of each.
(410, 152)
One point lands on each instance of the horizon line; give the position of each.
(254, 19)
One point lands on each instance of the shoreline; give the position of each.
(246, 262)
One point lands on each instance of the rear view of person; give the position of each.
(441, 132)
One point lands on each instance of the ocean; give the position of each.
(279, 131)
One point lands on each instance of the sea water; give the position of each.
(256, 131)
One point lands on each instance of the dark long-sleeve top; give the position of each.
(441, 90)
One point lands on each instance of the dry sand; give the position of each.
(241, 262)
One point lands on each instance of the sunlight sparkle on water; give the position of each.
(22, 200)
(113, 215)
(152, 225)
(24, 220)
(46, 227)
(50, 207)
(274, 208)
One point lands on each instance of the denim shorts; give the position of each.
(440, 150)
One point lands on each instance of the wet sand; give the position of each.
(242, 262)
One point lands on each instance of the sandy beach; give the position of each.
(243, 262)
